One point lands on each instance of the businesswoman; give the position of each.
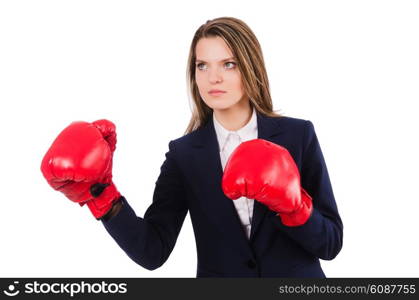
(254, 182)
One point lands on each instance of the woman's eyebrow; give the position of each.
(225, 59)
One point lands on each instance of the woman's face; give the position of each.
(217, 75)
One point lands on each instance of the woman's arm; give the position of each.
(322, 234)
(149, 241)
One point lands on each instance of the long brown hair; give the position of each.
(248, 53)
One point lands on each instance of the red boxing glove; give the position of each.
(266, 172)
(79, 164)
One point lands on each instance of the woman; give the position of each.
(283, 218)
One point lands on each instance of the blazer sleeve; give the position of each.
(322, 234)
(149, 241)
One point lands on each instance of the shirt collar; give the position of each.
(247, 132)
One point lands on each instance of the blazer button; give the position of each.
(251, 264)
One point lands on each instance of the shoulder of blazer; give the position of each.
(294, 128)
(283, 122)
(267, 127)
(190, 138)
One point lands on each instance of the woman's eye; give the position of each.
(230, 65)
(227, 65)
(201, 66)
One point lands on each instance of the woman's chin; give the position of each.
(219, 106)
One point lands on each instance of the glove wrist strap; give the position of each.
(100, 205)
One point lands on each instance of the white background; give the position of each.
(351, 67)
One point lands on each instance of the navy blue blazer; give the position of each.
(190, 180)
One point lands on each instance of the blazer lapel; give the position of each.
(206, 156)
(220, 209)
(267, 128)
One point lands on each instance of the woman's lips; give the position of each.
(216, 92)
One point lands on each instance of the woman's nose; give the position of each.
(215, 76)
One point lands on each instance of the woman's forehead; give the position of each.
(212, 49)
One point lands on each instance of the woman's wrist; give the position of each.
(116, 207)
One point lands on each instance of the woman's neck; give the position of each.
(235, 117)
